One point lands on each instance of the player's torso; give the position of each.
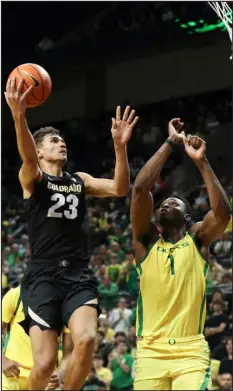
(172, 290)
(57, 218)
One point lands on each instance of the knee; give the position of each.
(86, 340)
(45, 365)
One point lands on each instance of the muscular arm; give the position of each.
(216, 221)
(30, 170)
(142, 202)
(117, 187)
(16, 100)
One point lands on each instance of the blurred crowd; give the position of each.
(112, 253)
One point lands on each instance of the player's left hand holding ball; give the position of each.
(195, 147)
(15, 97)
(122, 128)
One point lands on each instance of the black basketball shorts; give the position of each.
(52, 291)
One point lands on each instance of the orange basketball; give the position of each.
(37, 76)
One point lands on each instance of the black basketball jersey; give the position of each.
(57, 218)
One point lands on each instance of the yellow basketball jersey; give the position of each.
(171, 300)
(17, 344)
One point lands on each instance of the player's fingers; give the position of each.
(131, 117)
(174, 121)
(179, 126)
(12, 84)
(8, 84)
(18, 364)
(26, 93)
(20, 86)
(15, 371)
(6, 97)
(113, 123)
(126, 113)
(118, 113)
(134, 122)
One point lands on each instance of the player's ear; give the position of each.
(39, 153)
(187, 217)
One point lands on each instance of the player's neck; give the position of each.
(173, 234)
(52, 169)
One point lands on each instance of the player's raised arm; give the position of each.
(142, 202)
(216, 221)
(120, 185)
(16, 100)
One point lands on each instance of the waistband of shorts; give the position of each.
(61, 262)
(173, 340)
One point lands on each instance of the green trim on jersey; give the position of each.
(202, 304)
(140, 315)
(206, 379)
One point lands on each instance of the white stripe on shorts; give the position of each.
(36, 318)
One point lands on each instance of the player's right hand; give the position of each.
(174, 128)
(10, 368)
(15, 97)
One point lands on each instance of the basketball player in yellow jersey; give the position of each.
(172, 353)
(17, 360)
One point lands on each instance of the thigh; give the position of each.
(41, 300)
(151, 373)
(153, 384)
(81, 290)
(44, 345)
(196, 380)
(83, 322)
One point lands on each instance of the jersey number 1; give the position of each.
(72, 211)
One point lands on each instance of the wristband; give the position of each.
(170, 142)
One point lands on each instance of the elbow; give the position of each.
(122, 191)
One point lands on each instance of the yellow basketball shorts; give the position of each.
(172, 364)
(14, 383)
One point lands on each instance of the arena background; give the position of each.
(166, 60)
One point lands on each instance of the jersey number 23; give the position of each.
(72, 202)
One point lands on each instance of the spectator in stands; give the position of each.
(102, 347)
(121, 366)
(104, 326)
(225, 381)
(113, 271)
(216, 325)
(119, 317)
(227, 278)
(104, 374)
(108, 293)
(226, 363)
(222, 247)
(93, 382)
(215, 271)
(130, 274)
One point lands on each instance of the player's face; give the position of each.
(172, 210)
(53, 149)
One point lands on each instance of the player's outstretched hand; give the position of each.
(15, 97)
(195, 147)
(122, 128)
(174, 128)
(10, 368)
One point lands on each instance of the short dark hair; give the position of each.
(42, 132)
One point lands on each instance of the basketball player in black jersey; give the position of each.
(58, 287)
